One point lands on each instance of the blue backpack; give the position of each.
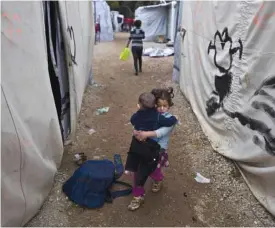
(90, 184)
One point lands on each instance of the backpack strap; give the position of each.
(125, 192)
(119, 168)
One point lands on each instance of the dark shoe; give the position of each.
(136, 73)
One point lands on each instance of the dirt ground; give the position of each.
(226, 201)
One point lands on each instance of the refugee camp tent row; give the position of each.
(158, 20)
(47, 52)
(227, 74)
(103, 16)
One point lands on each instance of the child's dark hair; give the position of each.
(147, 100)
(164, 94)
(137, 23)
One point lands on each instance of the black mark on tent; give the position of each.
(65, 101)
(262, 101)
(223, 81)
(71, 32)
(264, 107)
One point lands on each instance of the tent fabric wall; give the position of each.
(158, 20)
(171, 23)
(79, 15)
(103, 12)
(32, 147)
(177, 44)
(154, 20)
(227, 74)
(178, 16)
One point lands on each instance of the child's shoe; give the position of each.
(136, 203)
(156, 186)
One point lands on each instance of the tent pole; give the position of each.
(177, 19)
(94, 18)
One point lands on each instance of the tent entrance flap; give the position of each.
(57, 66)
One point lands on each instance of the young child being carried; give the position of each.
(164, 102)
(143, 156)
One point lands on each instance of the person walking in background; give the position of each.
(136, 37)
(127, 24)
(97, 30)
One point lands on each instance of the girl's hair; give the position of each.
(164, 94)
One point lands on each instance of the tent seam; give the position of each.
(21, 184)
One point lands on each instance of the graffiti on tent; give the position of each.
(223, 81)
(263, 99)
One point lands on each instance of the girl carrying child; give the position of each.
(144, 155)
(160, 136)
(164, 103)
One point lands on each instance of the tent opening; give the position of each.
(57, 65)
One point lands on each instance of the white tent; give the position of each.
(227, 74)
(103, 15)
(158, 20)
(117, 20)
(42, 80)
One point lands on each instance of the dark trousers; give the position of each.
(97, 37)
(137, 55)
(142, 159)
